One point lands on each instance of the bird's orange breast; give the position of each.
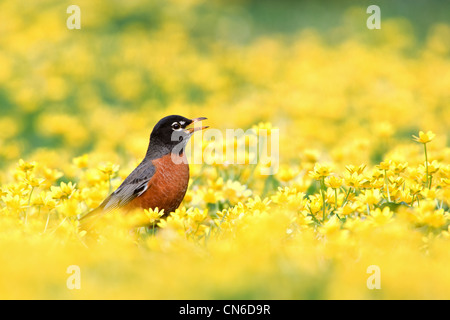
(167, 188)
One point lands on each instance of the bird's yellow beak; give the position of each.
(192, 130)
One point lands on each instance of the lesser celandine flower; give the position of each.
(38, 200)
(371, 196)
(380, 217)
(19, 189)
(209, 195)
(50, 175)
(352, 169)
(405, 195)
(433, 167)
(424, 137)
(428, 215)
(320, 171)
(26, 166)
(172, 223)
(347, 209)
(153, 214)
(334, 182)
(33, 182)
(234, 192)
(258, 205)
(64, 191)
(352, 180)
(399, 167)
(15, 202)
(265, 126)
(332, 226)
(81, 161)
(286, 173)
(109, 168)
(197, 215)
(385, 165)
(70, 207)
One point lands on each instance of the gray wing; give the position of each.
(133, 186)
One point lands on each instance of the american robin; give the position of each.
(161, 179)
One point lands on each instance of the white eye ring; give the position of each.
(176, 126)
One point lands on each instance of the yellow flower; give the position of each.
(371, 196)
(430, 194)
(44, 200)
(181, 213)
(415, 188)
(333, 182)
(320, 171)
(173, 223)
(380, 217)
(265, 126)
(399, 167)
(81, 161)
(377, 183)
(26, 166)
(424, 137)
(216, 184)
(19, 189)
(433, 167)
(210, 195)
(315, 205)
(70, 207)
(64, 191)
(385, 165)
(446, 181)
(48, 202)
(352, 169)
(347, 209)
(109, 168)
(197, 215)
(377, 173)
(303, 218)
(286, 173)
(332, 226)
(234, 192)
(352, 180)
(50, 176)
(428, 215)
(153, 214)
(405, 196)
(257, 205)
(33, 182)
(15, 202)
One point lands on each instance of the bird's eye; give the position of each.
(176, 126)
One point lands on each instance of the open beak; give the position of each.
(192, 130)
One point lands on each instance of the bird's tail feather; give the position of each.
(88, 220)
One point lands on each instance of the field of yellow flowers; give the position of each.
(358, 208)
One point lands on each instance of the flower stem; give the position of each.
(323, 198)
(335, 199)
(29, 201)
(46, 223)
(426, 164)
(386, 181)
(347, 195)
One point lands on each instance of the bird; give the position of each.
(161, 179)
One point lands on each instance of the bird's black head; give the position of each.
(171, 133)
